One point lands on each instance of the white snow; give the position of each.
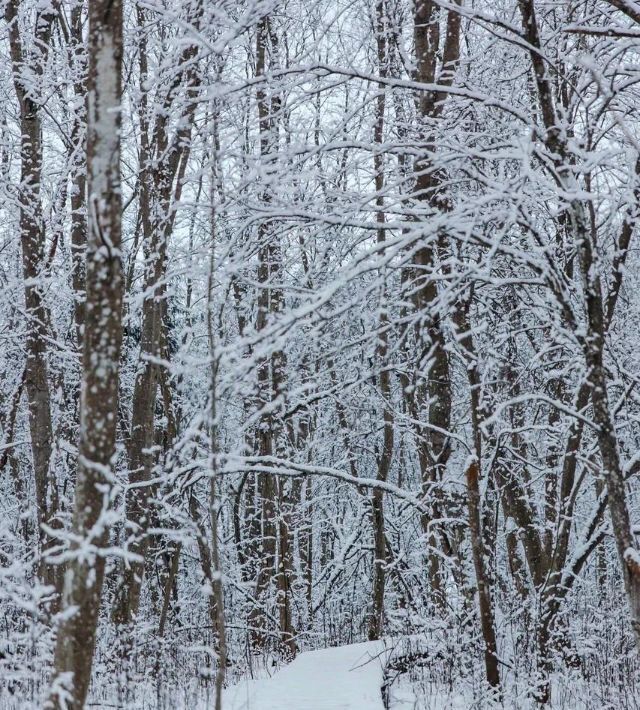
(341, 678)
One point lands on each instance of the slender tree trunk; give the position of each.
(78, 178)
(474, 502)
(487, 620)
(271, 368)
(163, 165)
(217, 590)
(285, 571)
(384, 378)
(32, 234)
(628, 552)
(168, 587)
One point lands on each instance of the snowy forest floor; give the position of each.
(354, 677)
(403, 673)
(342, 678)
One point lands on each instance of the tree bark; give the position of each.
(597, 314)
(275, 548)
(434, 395)
(474, 501)
(32, 234)
(163, 164)
(102, 346)
(384, 378)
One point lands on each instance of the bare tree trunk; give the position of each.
(597, 313)
(79, 178)
(32, 233)
(487, 620)
(474, 505)
(209, 549)
(168, 587)
(163, 166)
(271, 368)
(285, 570)
(386, 450)
(430, 340)
(628, 552)
(102, 345)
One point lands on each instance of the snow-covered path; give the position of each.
(342, 678)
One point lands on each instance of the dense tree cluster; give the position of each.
(319, 323)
